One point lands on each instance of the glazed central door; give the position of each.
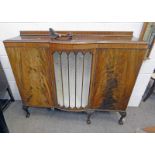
(72, 71)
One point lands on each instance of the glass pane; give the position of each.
(79, 69)
(64, 63)
(57, 69)
(72, 79)
(86, 80)
(76, 85)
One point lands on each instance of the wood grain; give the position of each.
(116, 72)
(46, 33)
(31, 67)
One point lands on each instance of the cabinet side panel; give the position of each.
(31, 67)
(15, 61)
(116, 72)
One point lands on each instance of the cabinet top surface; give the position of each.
(78, 37)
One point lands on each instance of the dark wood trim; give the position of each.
(70, 45)
(127, 45)
(46, 33)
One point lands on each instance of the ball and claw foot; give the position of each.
(25, 108)
(121, 120)
(88, 121)
(89, 114)
(28, 115)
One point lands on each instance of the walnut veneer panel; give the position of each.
(31, 67)
(115, 74)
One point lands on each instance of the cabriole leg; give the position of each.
(89, 114)
(25, 108)
(123, 115)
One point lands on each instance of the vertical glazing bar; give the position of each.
(82, 77)
(75, 75)
(68, 78)
(72, 78)
(61, 77)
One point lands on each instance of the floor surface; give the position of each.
(45, 121)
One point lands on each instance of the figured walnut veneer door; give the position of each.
(31, 66)
(116, 70)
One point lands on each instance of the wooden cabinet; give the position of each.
(93, 71)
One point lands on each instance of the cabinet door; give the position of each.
(31, 67)
(115, 73)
